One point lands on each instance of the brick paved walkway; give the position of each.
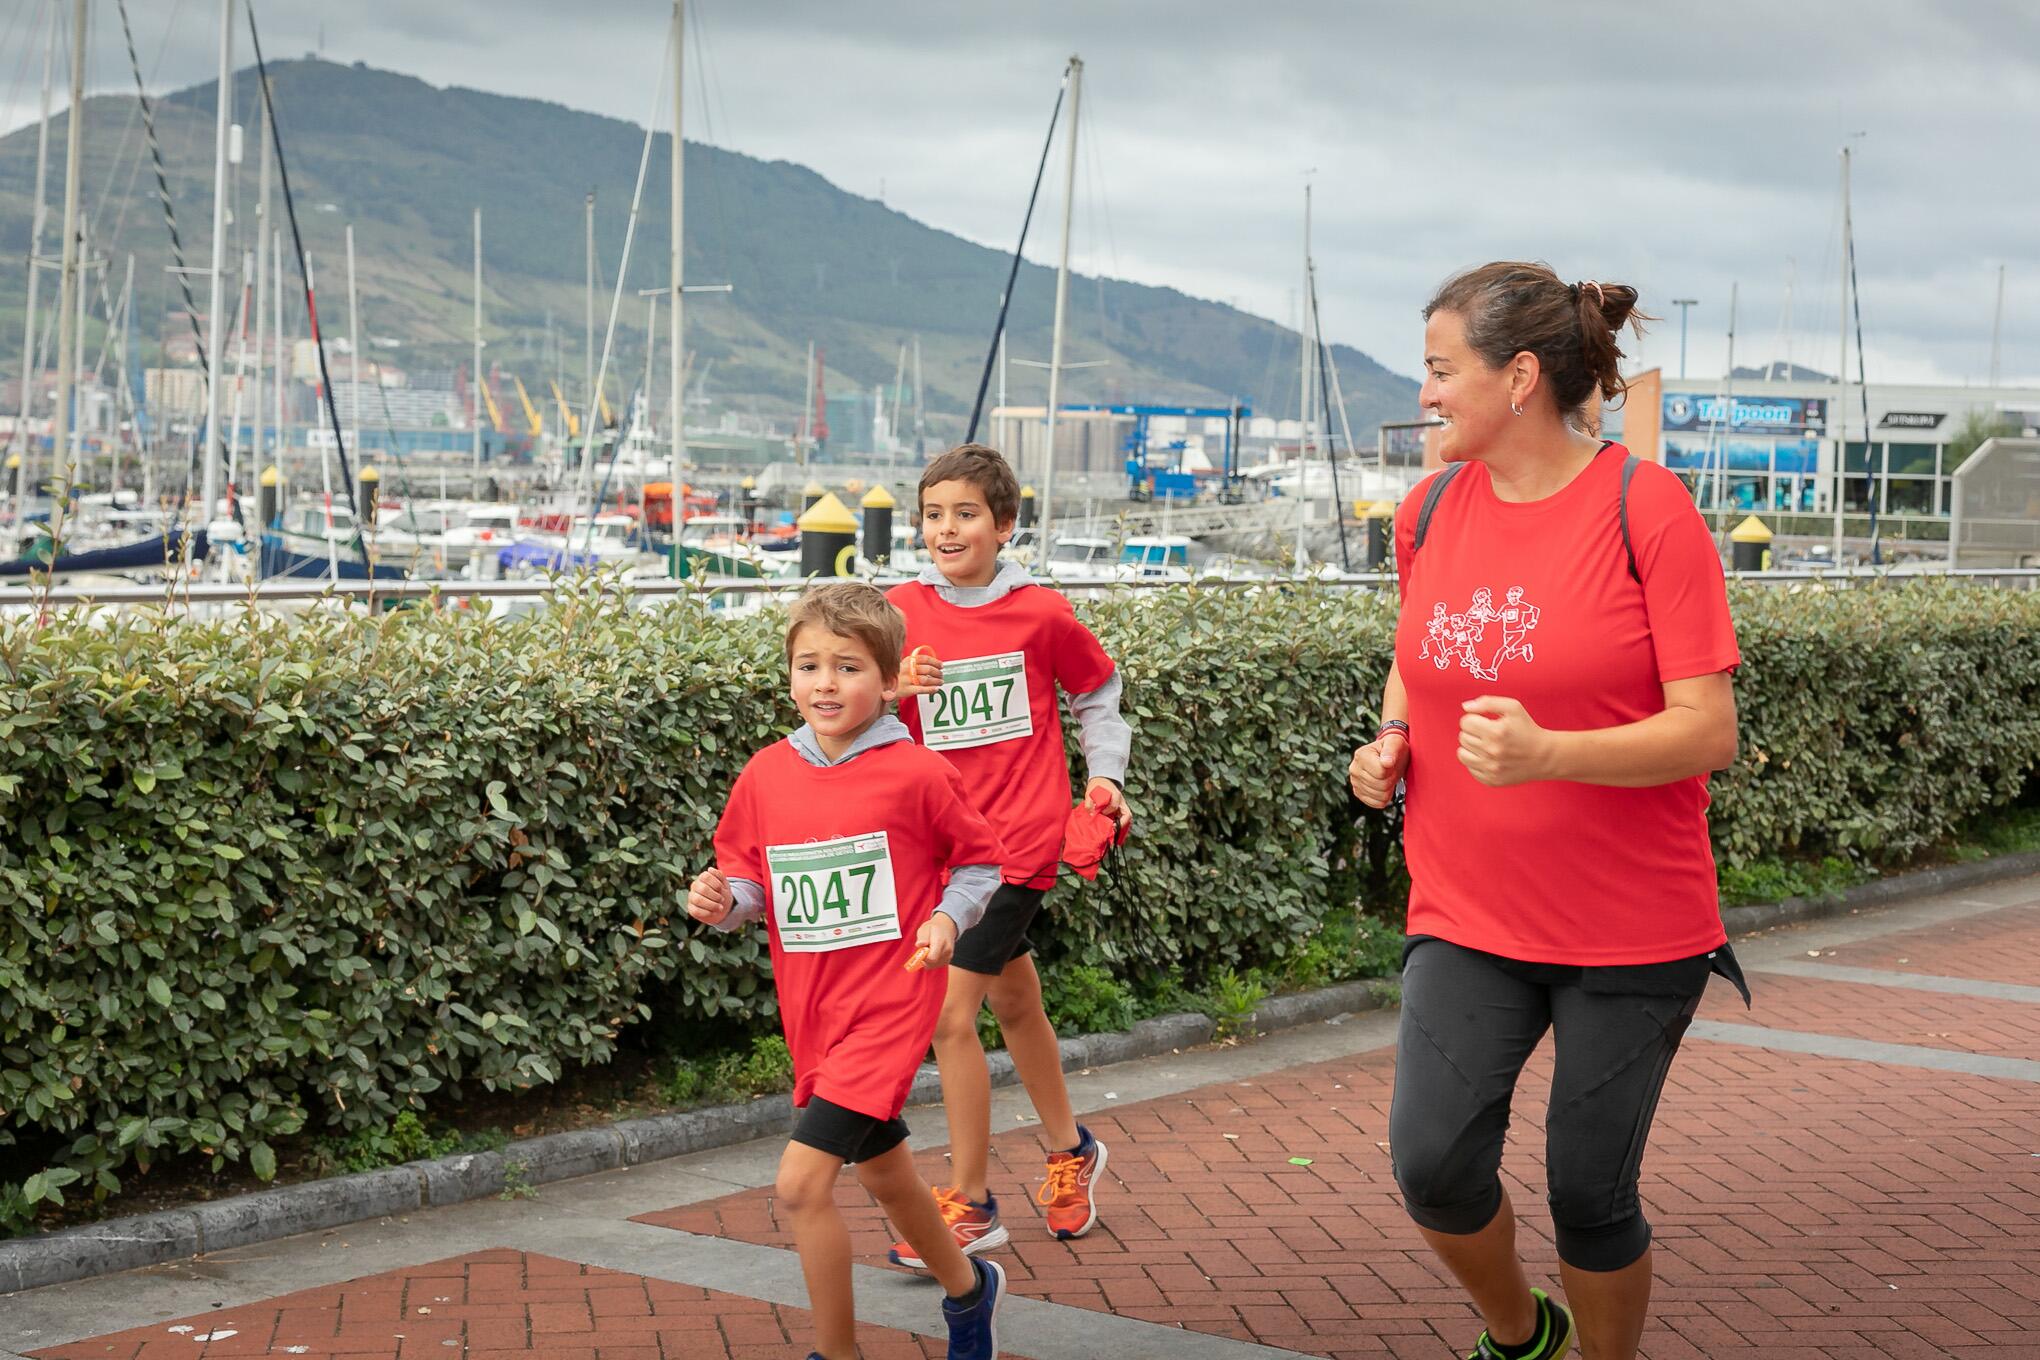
(491, 1305)
(1809, 1205)
(1804, 1206)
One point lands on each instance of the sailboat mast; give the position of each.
(1839, 420)
(588, 307)
(1303, 407)
(1727, 405)
(354, 365)
(807, 409)
(677, 254)
(1062, 297)
(60, 418)
(39, 215)
(1997, 328)
(261, 286)
(215, 323)
(475, 397)
(282, 351)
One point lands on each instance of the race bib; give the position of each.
(833, 894)
(983, 700)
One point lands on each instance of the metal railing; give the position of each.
(179, 595)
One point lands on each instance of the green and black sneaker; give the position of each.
(1553, 1340)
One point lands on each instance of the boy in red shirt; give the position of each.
(1005, 645)
(860, 849)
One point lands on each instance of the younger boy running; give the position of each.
(1005, 644)
(840, 836)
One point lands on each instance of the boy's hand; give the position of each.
(1121, 814)
(938, 936)
(920, 673)
(1377, 767)
(709, 898)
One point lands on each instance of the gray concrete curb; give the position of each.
(173, 1234)
(1920, 883)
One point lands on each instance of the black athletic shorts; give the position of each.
(1000, 936)
(850, 1134)
(1469, 1022)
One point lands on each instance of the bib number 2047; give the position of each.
(982, 700)
(834, 894)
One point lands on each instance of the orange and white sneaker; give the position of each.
(976, 1226)
(1067, 1194)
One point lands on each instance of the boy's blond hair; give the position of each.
(981, 467)
(852, 609)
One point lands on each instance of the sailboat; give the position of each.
(43, 555)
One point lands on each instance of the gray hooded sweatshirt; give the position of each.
(1106, 740)
(970, 885)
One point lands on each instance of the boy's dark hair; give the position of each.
(982, 467)
(852, 609)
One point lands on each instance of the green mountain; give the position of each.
(408, 163)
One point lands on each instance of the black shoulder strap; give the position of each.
(1431, 497)
(1629, 467)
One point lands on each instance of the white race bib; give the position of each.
(833, 894)
(983, 700)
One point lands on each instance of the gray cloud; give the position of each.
(1674, 148)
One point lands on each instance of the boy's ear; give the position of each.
(1006, 528)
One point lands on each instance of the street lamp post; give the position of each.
(1683, 304)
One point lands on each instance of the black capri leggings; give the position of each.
(1469, 1023)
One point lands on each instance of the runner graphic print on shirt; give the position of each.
(1464, 636)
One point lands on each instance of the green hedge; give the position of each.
(265, 876)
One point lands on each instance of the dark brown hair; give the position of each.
(1573, 329)
(982, 467)
(852, 609)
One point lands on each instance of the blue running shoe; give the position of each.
(973, 1331)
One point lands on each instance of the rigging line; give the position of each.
(14, 94)
(1863, 385)
(163, 195)
(347, 486)
(1094, 147)
(1013, 271)
(127, 129)
(703, 67)
(585, 476)
(1317, 324)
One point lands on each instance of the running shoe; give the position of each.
(973, 1331)
(1069, 1192)
(1554, 1334)
(976, 1227)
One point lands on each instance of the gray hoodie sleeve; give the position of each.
(750, 904)
(1104, 735)
(970, 887)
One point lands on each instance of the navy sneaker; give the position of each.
(973, 1331)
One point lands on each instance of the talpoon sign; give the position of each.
(1747, 415)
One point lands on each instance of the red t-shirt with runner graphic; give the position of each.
(997, 719)
(839, 846)
(1534, 601)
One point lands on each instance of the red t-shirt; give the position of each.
(1005, 737)
(857, 1022)
(1534, 601)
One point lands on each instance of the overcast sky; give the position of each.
(1650, 143)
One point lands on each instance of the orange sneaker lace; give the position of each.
(954, 1207)
(1061, 1185)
